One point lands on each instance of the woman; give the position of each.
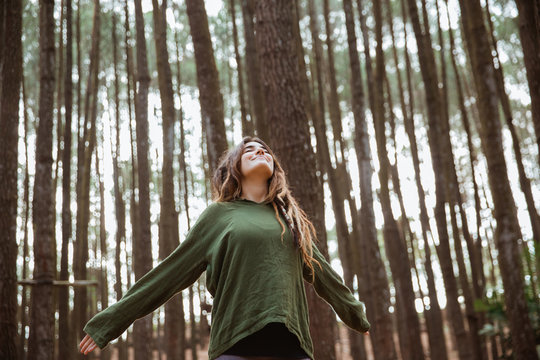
(256, 246)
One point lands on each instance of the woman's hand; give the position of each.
(87, 345)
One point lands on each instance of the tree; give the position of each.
(208, 82)
(142, 247)
(508, 233)
(10, 85)
(289, 135)
(41, 341)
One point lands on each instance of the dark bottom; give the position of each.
(274, 341)
(235, 357)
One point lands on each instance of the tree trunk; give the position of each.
(529, 32)
(247, 124)
(256, 95)
(508, 234)
(65, 343)
(84, 159)
(142, 248)
(208, 82)
(10, 90)
(378, 300)
(41, 341)
(394, 243)
(356, 340)
(435, 119)
(287, 112)
(433, 315)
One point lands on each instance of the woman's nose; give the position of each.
(259, 151)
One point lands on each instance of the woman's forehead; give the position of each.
(254, 144)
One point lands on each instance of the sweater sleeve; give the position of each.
(329, 285)
(179, 270)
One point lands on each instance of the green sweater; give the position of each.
(253, 276)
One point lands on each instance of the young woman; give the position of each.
(257, 246)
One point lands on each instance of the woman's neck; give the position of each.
(254, 190)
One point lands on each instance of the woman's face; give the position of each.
(256, 161)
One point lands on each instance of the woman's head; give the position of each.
(252, 157)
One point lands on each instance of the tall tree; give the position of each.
(428, 69)
(168, 220)
(378, 293)
(65, 343)
(255, 93)
(289, 133)
(41, 341)
(208, 81)
(508, 233)
(10, 90)
(396, 251)
(142, 249)
(529, 32)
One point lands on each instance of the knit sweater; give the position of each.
(255, 278)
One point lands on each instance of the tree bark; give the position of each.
(208, 82)
(287, 112)
(65, 343)
(433, 101)
(256, 96)
(508, 234)
(394, 243)
(41, 341)
(10, 90)
(142, 248)
(377, 290)
(529, 32)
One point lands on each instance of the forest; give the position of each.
(409, 131)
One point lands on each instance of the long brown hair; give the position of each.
(227, 186)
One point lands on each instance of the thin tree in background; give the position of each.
(508, 233)
(377, 294)
(65, 344)
(428, 69)
(10, 86)
(168, 219)
(529, 32)
(41, 341)
(85, 150)
(289, 134)
(247, 125)
(142, 248)
(255, 94)
(411, 345)
(433, 315)
(208, 82)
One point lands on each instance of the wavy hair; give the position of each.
(227, 186)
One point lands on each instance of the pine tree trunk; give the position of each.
(41, 341)
(433, 101)
(65, 343)
(142, 248)
(508, 234)
(529, 32)
(208, 82)
(286, 111)
(394, 243)
(255, 92)
(377, 290)
(84, 159)
(168, 239)
(10, 90)
(433, 315)
(344, 242)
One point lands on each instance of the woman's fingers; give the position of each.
(87, 345)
